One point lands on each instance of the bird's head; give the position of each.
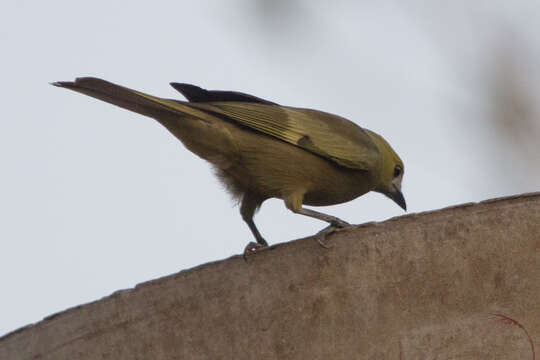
(389, 175)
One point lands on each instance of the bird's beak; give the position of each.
(398, 198)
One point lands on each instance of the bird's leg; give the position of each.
(332, 220)
(250, 203)
(294, 203)
(260, 240)
(335, 223)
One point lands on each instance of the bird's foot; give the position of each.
(252, 248)
(330, 229)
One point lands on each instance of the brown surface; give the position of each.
(422, 286)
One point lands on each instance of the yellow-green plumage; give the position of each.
(262, 150)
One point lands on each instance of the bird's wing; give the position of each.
(330, 136)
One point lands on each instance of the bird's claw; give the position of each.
(252, 248)
(334, 225)
(321, 235)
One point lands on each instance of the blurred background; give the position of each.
(94, 198)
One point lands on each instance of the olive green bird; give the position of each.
(262, 150)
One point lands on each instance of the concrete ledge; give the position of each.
(421, 286)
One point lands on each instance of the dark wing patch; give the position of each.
(197, 94)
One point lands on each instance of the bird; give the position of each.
(262, 150)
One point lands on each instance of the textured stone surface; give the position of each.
(422, 286)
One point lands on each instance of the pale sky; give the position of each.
(95, 199)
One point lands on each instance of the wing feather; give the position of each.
(324, 134)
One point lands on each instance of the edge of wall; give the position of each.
(443, 234)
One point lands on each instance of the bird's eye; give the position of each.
(397, 171)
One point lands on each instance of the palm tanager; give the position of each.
(262, 150)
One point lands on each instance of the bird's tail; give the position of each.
(152, 106)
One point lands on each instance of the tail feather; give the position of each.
(157, 108)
